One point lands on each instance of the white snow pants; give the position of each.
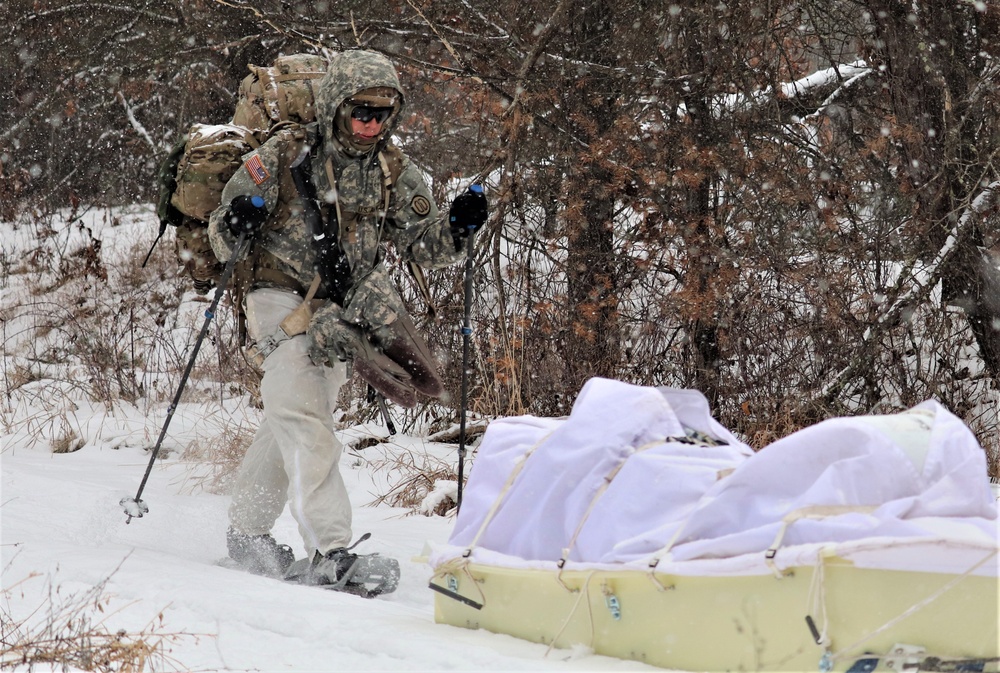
(295, 455)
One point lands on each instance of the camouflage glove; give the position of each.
(467, 214)
(246, 214)
(397, 362)
(332, 339)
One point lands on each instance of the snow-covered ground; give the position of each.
(64, 533)
(84, 328)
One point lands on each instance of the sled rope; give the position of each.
(812, 512)
(914, 608)
(656, 557)
(454, 567)
(582, 592)
(817, 598)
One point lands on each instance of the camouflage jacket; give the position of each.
(409, 218)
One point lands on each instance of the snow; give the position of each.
(64, 531)
(66, 542)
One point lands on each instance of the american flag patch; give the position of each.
(256, 169)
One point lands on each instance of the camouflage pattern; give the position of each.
(195, 253)
(282, 92)
(350, 73)
(397, 363)
(211, 156)
(411, 221)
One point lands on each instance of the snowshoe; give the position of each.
(257, 554)
(366, 575)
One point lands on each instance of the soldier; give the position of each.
(318, 201)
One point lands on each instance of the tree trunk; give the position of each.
(593, 337)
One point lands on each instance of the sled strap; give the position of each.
(597, 496)
(503, 493)
(915, 607)
(453, 567)
(657, 556)
(582, 594)
(816, 600)
(813, 512)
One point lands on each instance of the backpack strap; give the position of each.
(167, 179)
(425, 291)
(387, 180)
(391, 161)
(332, 178)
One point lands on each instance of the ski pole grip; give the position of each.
(477, 189)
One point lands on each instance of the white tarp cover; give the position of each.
(611, 477)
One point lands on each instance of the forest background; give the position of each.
(789, 206)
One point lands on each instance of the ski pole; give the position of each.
(135, 507)
(466, 339)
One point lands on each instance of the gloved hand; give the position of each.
(331, 339)
(467, 213)
(246, 214)
(398, 363)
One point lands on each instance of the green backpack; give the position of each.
(198, 166)
(280, 93)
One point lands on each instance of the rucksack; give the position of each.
(196, 169)
(279, 93)
(212, 154)
(191, 181)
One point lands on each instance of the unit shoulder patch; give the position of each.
(420, 205)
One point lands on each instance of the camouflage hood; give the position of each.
(351, 72)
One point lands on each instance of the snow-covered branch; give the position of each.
(841, 76)
(139, 128)
(917, 290)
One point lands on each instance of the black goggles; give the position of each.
(365, 114)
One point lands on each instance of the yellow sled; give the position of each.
(832, 614)
(642, 529)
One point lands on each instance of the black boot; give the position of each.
(259, 554)
(334, 567)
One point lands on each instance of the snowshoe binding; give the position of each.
(257, 554)
(366, 575)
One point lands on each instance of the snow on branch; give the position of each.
(139, 128)
(931, 272)
(845, 74)
(825, 78)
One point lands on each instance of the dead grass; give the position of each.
(992, 448)
(420, 472)
(215, 462)
(67, 442)
(70, 632)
